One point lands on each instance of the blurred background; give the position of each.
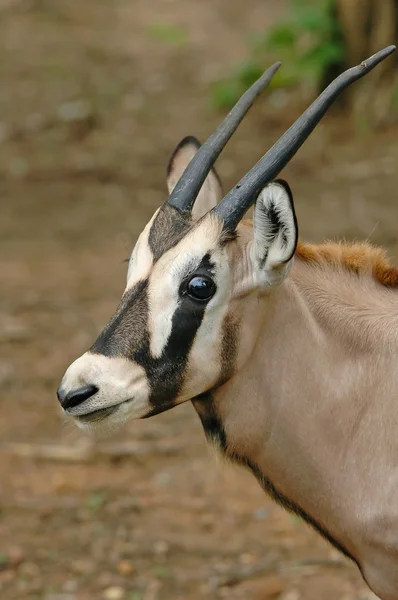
(94, 96)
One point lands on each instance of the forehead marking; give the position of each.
(169, 226)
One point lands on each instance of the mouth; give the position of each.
(96, 415)
(101, 414)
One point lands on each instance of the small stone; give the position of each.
(113, 593)
(292, 595)
(125, 568)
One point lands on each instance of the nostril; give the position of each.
(75, 397)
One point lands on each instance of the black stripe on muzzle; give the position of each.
(127, 336)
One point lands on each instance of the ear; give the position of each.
(275, 233)
(211, 191)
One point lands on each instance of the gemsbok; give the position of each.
(288, 351)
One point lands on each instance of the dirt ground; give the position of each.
(94, 96)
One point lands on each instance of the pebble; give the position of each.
(292, 595)
(113, 593)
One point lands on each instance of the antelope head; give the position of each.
(187, 320)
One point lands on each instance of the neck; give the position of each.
(304, 410)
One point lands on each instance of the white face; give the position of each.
(164, 344)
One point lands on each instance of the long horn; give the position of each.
(234, 205)
(188, 187)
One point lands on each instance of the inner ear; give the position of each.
(275, 228)
(211, 190)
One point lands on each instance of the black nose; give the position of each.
(75, 397)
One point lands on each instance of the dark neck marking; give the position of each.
(215, 433)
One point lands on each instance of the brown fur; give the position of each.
(359, 258)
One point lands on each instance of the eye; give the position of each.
(201, 288)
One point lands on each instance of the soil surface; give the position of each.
(94, 97)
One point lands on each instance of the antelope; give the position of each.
(288, 351)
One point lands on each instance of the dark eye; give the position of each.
(201, 288)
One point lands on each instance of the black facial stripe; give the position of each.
(169, 227)
(128, 328)
(215, 432)
(127, 336)
(169, 369)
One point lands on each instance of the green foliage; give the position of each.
(308, 43)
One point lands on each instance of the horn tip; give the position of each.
(376, 58)
(273, 68)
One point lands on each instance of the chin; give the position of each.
(103, 422)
